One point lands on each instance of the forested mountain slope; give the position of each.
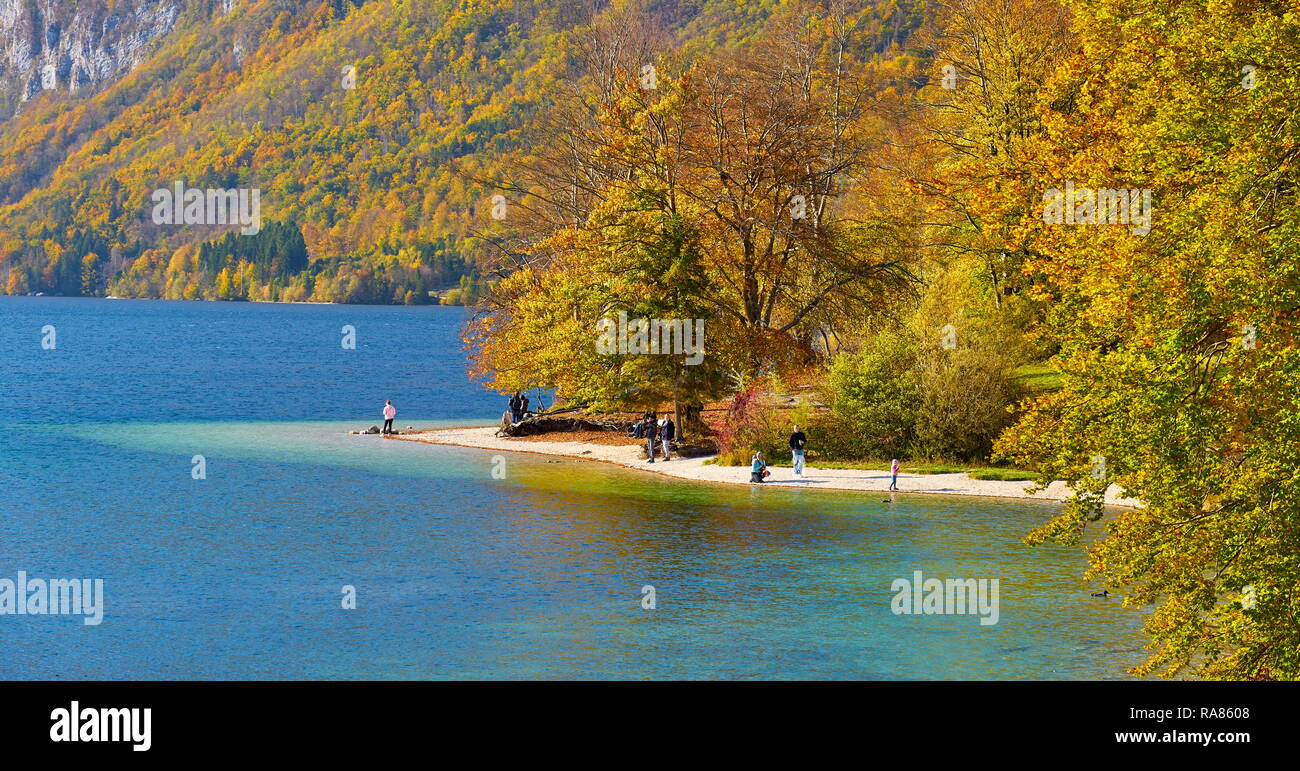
(361, 125)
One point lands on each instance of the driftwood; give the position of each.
(559, 421)
(573, 420)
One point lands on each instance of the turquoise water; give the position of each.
(458, 574)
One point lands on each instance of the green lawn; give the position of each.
(1037, 377)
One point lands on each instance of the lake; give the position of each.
(457, 574)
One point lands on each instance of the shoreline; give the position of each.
(855, 480)
(251, 302)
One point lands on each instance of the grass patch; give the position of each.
(865, 465)
(1037, 377)
(974, 472)
(878, 465)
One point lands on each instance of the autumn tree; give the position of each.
(976, 116)
(717, 187)
(1179, 345)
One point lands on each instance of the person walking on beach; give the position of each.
(650, 433)
(893, 476)
(665, 433)
(390, 412)
(797, 441)
(757, 468)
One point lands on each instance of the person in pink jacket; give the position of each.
(390, 412)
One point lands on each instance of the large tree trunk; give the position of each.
(689, 423)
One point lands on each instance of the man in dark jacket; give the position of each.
(666, 430)
(651, 434)
(797, 441)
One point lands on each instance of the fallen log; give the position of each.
(553, 422)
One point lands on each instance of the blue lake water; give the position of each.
(457, 574)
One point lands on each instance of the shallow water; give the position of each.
(458, 574)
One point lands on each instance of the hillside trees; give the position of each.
(364, 168)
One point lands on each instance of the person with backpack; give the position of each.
(515, 403)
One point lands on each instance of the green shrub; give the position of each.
(965, 396)
(873, 401)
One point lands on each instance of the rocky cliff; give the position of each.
(72, 44)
